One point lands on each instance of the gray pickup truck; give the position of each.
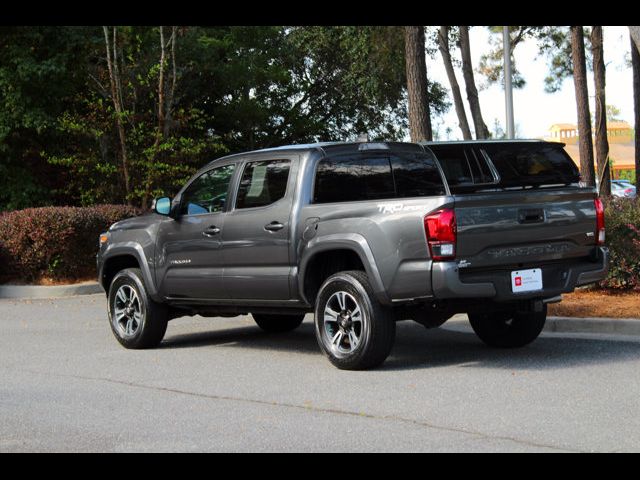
(363, 235)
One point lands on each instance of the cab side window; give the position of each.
(263, 183)
(208, 192)
(349, 178)
(416, 175)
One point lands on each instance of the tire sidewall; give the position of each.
(347, 283)
(128, 277)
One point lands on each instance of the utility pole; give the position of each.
(508, 87)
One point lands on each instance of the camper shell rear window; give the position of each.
(486, 166)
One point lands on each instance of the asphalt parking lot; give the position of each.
(224, 385)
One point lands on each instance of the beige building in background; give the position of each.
(619, 134)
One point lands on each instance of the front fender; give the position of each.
(135, 250)
(351, 241)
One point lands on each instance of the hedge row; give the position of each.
(59, 243)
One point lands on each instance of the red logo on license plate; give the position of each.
(518, 281)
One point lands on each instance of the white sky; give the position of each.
(535, 110)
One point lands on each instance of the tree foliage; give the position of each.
(491, 63)
(223, 89)
(554, 43)
(38, 79)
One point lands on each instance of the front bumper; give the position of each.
(449, 281)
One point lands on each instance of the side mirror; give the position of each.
(162, 206)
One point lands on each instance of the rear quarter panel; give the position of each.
(391, 230)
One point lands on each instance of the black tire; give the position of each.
(277, 323)
(508, 329)
(148, 322)
(372, 324)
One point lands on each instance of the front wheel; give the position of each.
(508, 329)
(136, 320)
(353, 329)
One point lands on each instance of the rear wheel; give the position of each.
(136, 320)
(277, 323)
(508, 329)
(353, 329)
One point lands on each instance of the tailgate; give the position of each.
(524, 227)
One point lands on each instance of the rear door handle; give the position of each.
(274, 226)
(211, 231)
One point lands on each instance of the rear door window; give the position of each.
(263, 183)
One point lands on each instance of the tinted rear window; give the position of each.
(416, 176)
(532, 164)
(356, 177)
(347, 178)
(527, 164)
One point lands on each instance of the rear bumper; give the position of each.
(449, 281)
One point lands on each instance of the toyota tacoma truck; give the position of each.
(363, 235)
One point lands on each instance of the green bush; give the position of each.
(59, 243)
(622, 220)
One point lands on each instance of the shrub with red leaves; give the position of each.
(622, 220)
(59, 243)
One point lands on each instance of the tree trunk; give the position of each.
(163, 54)
(472, 92)
(170, 97)
(114, 80)
(635, 63)
(161, 122)
(585, 141)
(602, 144)
(165, 105)
(443, 43)
(635, 36)
(417, 84)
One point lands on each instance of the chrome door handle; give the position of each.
(274, 226)
(211, 231)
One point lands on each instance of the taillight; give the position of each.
(599, 221)
(440, 228)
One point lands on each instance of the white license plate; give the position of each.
(526, 280)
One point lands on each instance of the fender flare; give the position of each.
(352, 241)
(135, 250)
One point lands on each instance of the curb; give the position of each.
(55, 291)
(599, 325)
(612, 326)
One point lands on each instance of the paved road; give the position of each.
(223, 385)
